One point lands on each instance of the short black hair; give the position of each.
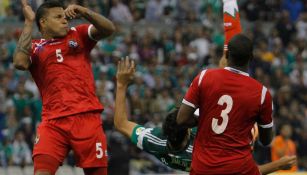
(41, 11)
(175, 134)
(240, 50)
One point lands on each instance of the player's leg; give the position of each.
(50, 148)
(45, 165)
(95, 171)
(89, 143)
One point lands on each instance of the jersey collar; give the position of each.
(236, 71)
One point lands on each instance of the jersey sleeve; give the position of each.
(192, 96)
(147, 140)
(265, 119)
(84, 32)
(232, 24)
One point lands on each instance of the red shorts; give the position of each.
(83, 133)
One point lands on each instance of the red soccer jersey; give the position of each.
(229, 103)
(62, 71)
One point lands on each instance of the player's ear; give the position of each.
(42, 22)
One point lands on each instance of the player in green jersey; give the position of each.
(171, 144)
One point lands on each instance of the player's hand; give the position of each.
(286, 162)
(125, 71)
(74, 11)
(223, 61)
(27, 11)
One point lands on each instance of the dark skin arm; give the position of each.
(266, 136)
(21, 59)
(186, 117)
(102, 26)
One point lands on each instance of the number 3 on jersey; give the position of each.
(219, 129)
(59, 55)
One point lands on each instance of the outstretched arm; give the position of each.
(22, 54)
(232, 25)
(125, 72)
(102, 26)
(285, 162)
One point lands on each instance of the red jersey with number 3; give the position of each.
(229, 102)
(62, 71)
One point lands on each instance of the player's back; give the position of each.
(230, 103)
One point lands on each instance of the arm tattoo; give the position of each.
(24, 43)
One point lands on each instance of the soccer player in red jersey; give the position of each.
(229, 102)
(60, 65)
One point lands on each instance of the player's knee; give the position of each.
(45, 165)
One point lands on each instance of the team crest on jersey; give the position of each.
(139, 130)
(73, 44)
(36, 139)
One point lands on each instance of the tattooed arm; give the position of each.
(22, 53)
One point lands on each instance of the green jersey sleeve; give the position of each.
(149, 139)
(153, 141)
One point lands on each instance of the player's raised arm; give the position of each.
(102, 26)
(22, 53)
(125, 73)
(232, 25)
(284, 163)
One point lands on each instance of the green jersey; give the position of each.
(153, 141)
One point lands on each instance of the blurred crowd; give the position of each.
(189, 37)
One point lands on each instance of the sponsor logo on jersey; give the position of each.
(139, 130)
(73, 44)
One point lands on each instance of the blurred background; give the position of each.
(172, 40)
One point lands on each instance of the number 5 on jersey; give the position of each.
(59, 55)
(219, 129)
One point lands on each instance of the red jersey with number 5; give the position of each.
(62, 71)
(229, 102)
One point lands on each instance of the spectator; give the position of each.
(283, 145)
(120, 12)
(285, 28)
(154, 10)
(301, 26)
(294, 7)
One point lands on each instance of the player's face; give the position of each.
(55, 22)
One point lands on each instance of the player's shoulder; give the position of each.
(38, 41)
(146, 132)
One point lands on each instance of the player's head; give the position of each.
(240, 51)
(50, 19)
(177, 136)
